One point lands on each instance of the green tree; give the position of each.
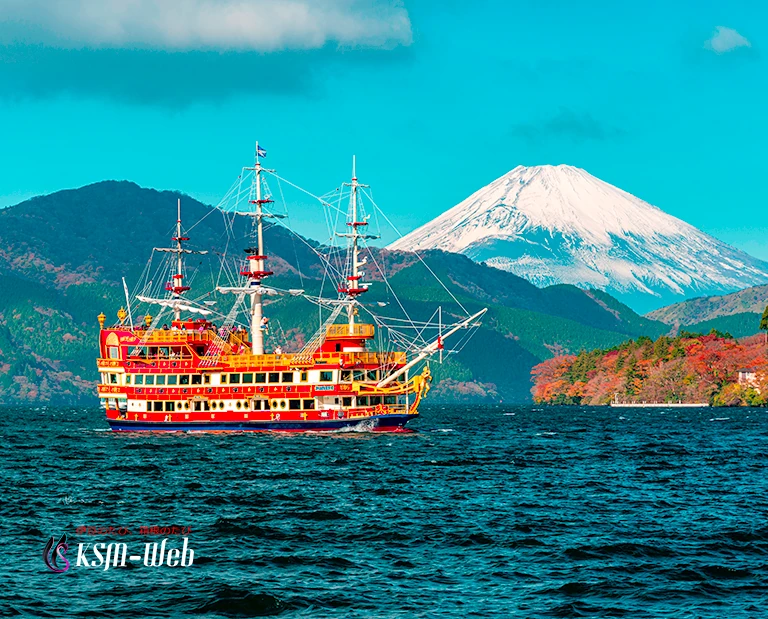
(764, 323)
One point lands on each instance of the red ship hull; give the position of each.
(377, 423)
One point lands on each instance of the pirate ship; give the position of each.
(193, 367)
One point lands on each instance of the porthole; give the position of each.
(282, 403)
(239, 405)
(186, 406)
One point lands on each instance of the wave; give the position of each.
(235, 602)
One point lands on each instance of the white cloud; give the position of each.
(725, 40)
(253, 25)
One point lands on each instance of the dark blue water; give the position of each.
(516, 511)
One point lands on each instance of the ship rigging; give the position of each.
(240, 376)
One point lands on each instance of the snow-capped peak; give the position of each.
(560, 224)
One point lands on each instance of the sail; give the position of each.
(175, 304)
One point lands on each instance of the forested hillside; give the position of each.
(62, 257)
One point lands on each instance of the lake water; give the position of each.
(483, 512)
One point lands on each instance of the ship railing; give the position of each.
(332, 358)
(397, 408)
(178, 336)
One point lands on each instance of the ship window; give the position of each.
(206, 405)
(390, 399)
(363, 400)
(239, 405)
(186, 405)
(274, 377)
(200, 350)
(138, 380)
(127, 379)
(303, 377)
(173, 379)
(178, 406)
(114, 352)
(198, 406)
(373, 375)
(223, 379)
(113, 379)
(261, 377)
(234, 379)
(346, 401)
(287, 377)
(309, 405)
(158, 406)
(163, 352)
(184, 379)
(338, 347)
(207, 379)
(326, 376)
(149, 379)
(375, 400)
(160, 380)
(169, 406)
(294, 405)
(248, 378)
(282, 403)
(359, 375)
(197, 379)
(346, 376)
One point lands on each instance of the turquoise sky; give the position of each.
(664, 99)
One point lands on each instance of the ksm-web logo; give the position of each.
(105, 555)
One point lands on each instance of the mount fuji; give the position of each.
(559, 224)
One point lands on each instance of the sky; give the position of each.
(436, 99)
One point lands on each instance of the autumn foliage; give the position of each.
(688, 368)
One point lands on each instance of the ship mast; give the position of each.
(256, 271)
(177, 286)
(355, 274)
(353, 288)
